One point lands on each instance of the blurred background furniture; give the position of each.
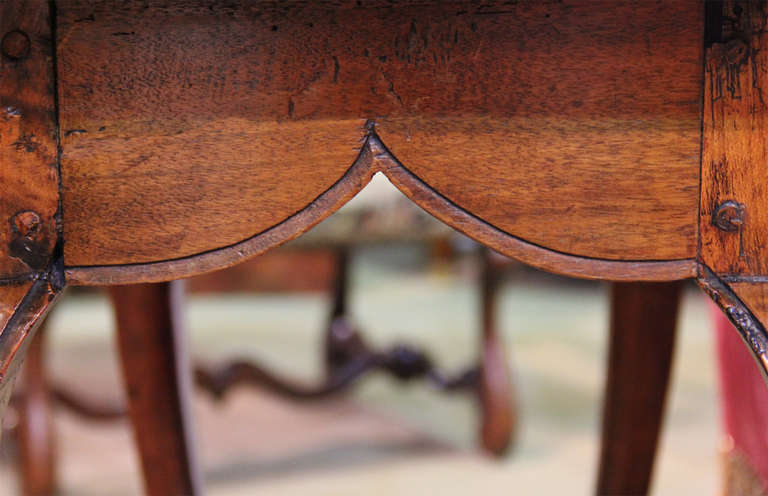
(643, 320)
(319, 261)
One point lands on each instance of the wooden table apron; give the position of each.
(149, 141)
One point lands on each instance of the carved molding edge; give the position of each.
(19, 321)
(751, 330)
(375, 157)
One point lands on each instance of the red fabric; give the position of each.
(744, 396)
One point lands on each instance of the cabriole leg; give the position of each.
(643, 320)
(157, 379)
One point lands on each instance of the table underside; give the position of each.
(566, 134)
(603, 139)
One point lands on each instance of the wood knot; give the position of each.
(729, 216)
(15, 45)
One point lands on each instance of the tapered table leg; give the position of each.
(643, 319)
(157, 379)
(342, 342)
(497, 400)
(35, 434)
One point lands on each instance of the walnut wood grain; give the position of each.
(177, 133)
(531, 109)
(734, 217)
(29, 175)
(519, 249)
(375, 158)
(193, 126)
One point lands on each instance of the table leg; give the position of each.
(497, 401)
(343, 344)
(157, 379)
(35, 433)
(643, 319)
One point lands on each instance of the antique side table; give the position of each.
(145, 141)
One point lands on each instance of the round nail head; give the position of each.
(15, 45)
(26, 223)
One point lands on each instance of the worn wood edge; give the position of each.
(375, 157)
(20, 328)
(512, 246)
(352, 182)
(44, 288)
(750, 329)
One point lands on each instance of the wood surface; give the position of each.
(375, 158)
(29, 194)
(643, 321)
(733, 222)
(193, 126)
(734, 143)
(754, 296)
(513, 247)
(29, 180)
(534, 108)
(157, 376)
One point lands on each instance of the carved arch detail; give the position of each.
(374, 157)
(735, 303)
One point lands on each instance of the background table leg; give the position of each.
(35, 432)
(643, 319)
(157, 379)
(495, 389)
